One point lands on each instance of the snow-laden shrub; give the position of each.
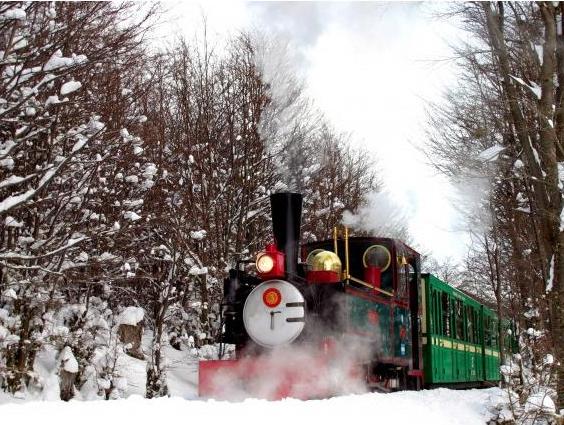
(529, 381)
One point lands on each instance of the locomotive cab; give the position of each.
(384, 264)
(381, 284)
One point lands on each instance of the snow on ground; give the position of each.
(436, 407)
(182, 372)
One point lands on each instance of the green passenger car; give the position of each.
(460, 343)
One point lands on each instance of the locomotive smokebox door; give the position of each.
(274, 313)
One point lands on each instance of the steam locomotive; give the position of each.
(343, 314)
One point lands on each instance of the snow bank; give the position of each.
(68, 361)
(437, 407)
(491, 153)
(69, 87)
(130, 316)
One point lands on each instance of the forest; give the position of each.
(133, 175)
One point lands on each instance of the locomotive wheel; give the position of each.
(387, 378)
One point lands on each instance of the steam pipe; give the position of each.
(335, 247)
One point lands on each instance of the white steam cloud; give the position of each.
(330, 361)
(294, 371)
(380, 216)
(286, 119)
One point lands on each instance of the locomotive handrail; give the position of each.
(346, 274)
(362, 282)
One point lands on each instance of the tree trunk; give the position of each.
(204, 315)
(156, 385)
(67, 384)
(557, 310)
(129, 334)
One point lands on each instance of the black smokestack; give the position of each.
(286, 221)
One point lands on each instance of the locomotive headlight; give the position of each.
(265, 263)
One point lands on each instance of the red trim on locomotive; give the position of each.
(278, 267)
(373, 275)
(323, 276)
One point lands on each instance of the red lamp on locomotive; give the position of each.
(270, 263)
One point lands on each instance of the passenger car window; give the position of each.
(469, 324)
(445, 304)
(487, 331)
(459, 320)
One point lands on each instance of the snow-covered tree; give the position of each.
(58, 131)
(130, 179)
(501, 128)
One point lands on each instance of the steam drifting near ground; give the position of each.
(303, 372)
(329, 359)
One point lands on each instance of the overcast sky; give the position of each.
(371, 68)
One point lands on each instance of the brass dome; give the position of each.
(311, 256)
(326, 261)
